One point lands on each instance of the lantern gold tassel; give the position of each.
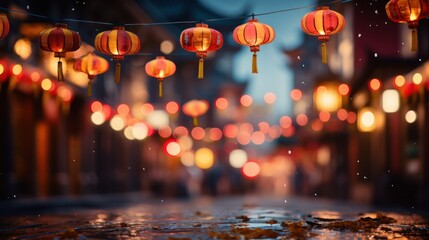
(160, 88)
(89, 89)
(254, 63)
(201, 69)
(60, 75)
(118, 72)
(414, 40)
(195, 121)
(324, 54)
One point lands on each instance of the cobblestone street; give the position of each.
(209, 218)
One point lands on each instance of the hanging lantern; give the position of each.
(201, 40)
(322, 23)
(253, 34)
(408, 11)
(92, 65)
(59, 40)
(4, 26)
(117, 43)
(160, 68)
(195, 108)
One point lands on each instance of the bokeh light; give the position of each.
(296, 94)
(204, 158)
(410, 116)
(270, 98)
(172, 148)
(172, 107)
(237, 158)
(221, 103)
(98, 118)
(251, 169)
(246, 100)
(117, 123)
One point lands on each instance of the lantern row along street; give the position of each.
(201, 39)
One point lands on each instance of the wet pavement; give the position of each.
(249, 217)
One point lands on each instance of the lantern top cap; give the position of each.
(61, 25)
(253, 20)
(323, 8)
(119, 28)
(160, 57)
(202, 25)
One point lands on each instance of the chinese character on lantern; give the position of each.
(201, 40)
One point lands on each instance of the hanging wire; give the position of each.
(176, 22)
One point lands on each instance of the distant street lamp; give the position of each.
(366, 120)
(390, 101)
(327, 98)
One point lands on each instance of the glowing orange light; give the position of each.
(288, 132)
(65, 93)
(35, 76)
(270, 98)
(123, 110)
(246, 100)
(302, 119)
(264, 127)
(417, 78)
(324, 116)
(285, 122)
(399, 81)
(258, 138)
(343, 89)
(246, 128)
(321, 90)
(342, 114)
(180, 131)
(221, 103)
(46, 84)
(17, 69)
(132, 121)
(172, 107)
(204, 158)
(198, 133)
(215, 134)
(96, 106)
(275, 132)
(317, 125)
(172, 148)
(244, 138)
(165, 132)
(296, 94)
(230, 131)
(374, 84)
(251, 169)
(107, 110)
(148, 108)
(351, 118)
(1, 69)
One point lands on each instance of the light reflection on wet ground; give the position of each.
(223, 218)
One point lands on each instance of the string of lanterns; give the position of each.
(201, 39)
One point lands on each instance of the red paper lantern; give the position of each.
(4, 26)
(322, 23)
(160, 68)
(195, 108)
(201, 40)
(59, 40)
(117, 43)
(253, 34)
(408, 11)
(92, 65)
